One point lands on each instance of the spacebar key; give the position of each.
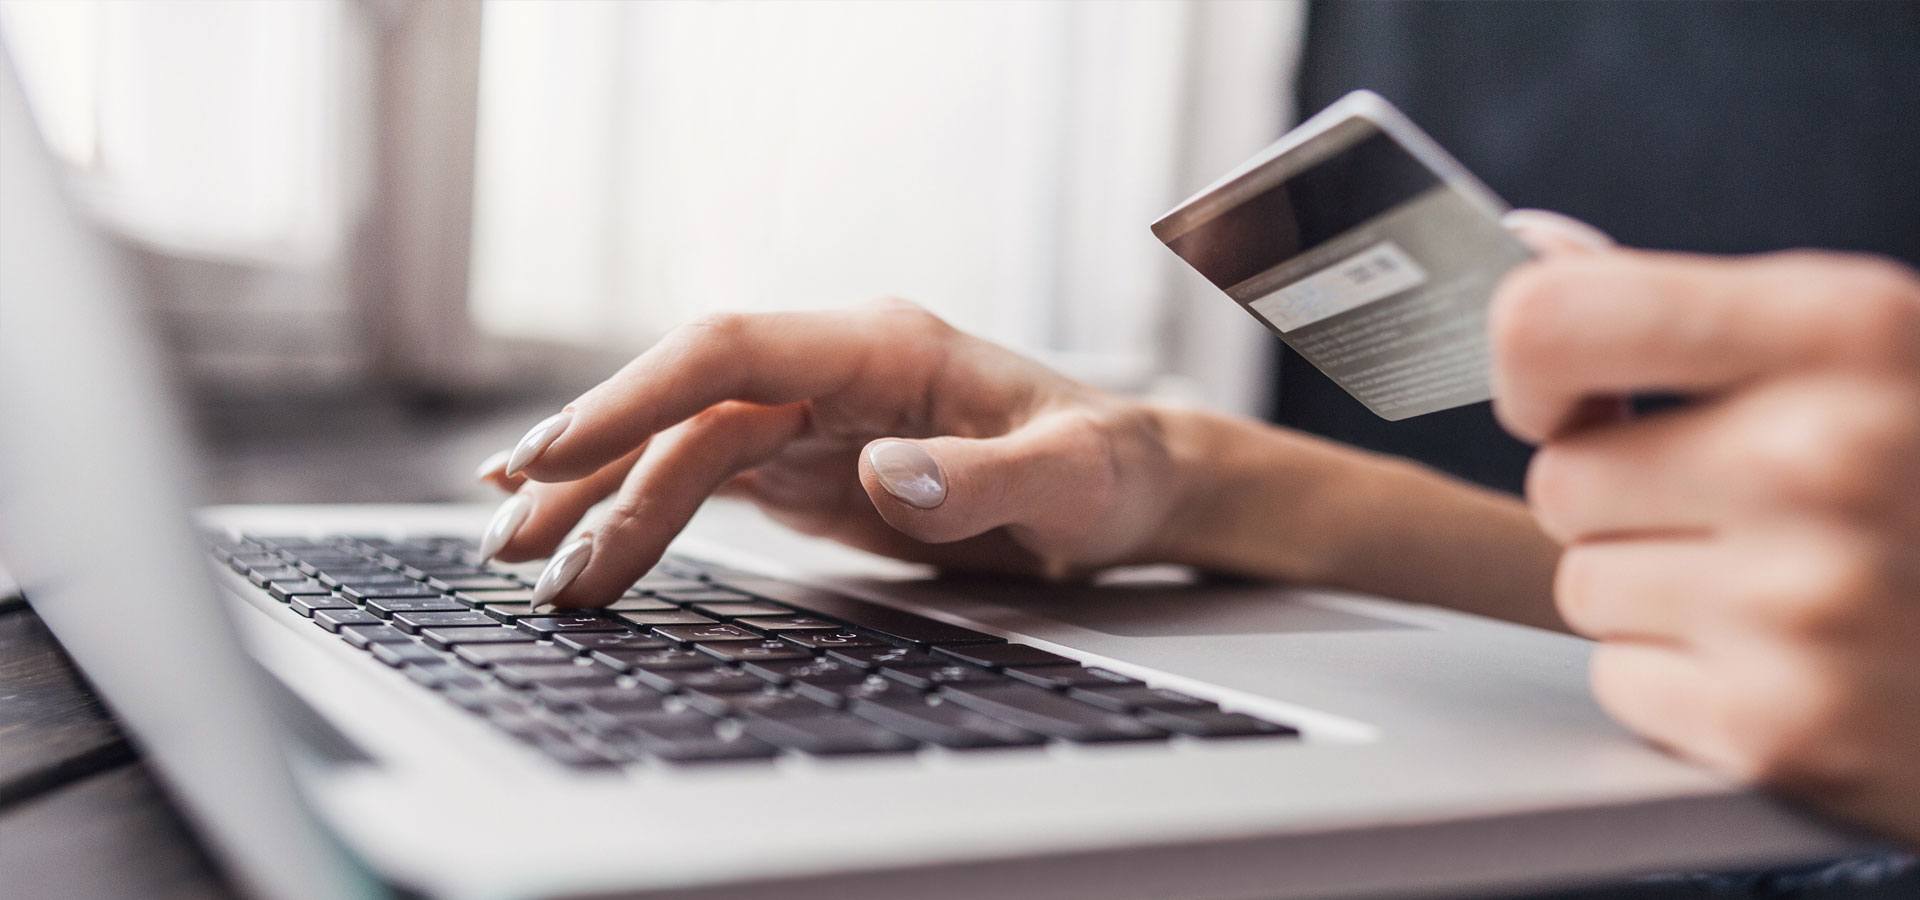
(1048, 713)
(883, 620)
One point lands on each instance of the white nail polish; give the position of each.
(908, 472)
(537, 440)
(566, 565)
(506, 520)
(494, 464)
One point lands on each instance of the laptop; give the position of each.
(346, 701)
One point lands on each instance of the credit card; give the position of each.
(1367, 248)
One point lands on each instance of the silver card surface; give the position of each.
(1366, 248)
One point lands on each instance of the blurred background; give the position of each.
(383, 237)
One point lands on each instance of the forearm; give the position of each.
(1273, 503)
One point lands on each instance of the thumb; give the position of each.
(949, 488)
(1552, 234)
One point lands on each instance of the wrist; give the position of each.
(1257, 500)
(1253, 499)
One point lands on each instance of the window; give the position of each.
(639, 164)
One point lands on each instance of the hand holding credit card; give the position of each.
(1366, 248)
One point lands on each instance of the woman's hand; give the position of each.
(1750, 562)
(882, 427)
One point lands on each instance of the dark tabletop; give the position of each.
(80, 814)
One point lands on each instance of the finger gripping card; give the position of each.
(1366, 248)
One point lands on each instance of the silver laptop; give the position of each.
(354, 703)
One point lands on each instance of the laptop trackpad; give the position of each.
(1155, 602)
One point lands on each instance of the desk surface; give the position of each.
(80, 815)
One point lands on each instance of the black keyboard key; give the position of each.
(265, 575)
(307, 606)
(1212, 723)
(526, 675)
(656, 583)
(623, 658)
(533, 727)
(450, 636)
(738, 608)
(826, 735)
(705, 633)
(364, 578)
(445, 569)
(648, 619)
(927, 678)
(773, 702)
(783, 624)
(1070, 676)
(618, 718)
(875, 657)
(408, 654)
(304, 587)
(689, 737)
(609, 697)
(839, 695)
(465, 618)
(507, 612)
(609, 640)
(666, 660)
(569, 624)
(390, 606)
(640, 604)
(1005, 655)
(490, 598)
(444, 677)
(938, 722)
(716, 679)
(882, 620)
(490, 700)
(247, 562)
(1045, 712)
(748, 651)
(413, 591)
(365, 636)
(476, 583)
(676, 724)
(484, 655)
(1132, 697)
(831, 639)
(812, 671)
(704, 593)
(335, 619)
(717, 748)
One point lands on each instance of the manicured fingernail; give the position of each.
(506, 520)
(908, 473)
(566, 565)
(492, 466)
(537, 440)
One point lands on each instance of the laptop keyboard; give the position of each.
(689, 667)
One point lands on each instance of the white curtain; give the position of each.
(998, 162)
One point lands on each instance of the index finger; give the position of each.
(1612, 324)
(770, 359)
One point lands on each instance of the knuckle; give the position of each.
(1522, 323)
(1835, 591)
(1802, 465)
(1799, 739)
(913, 317)
(1879, 314)
(727, 328)
(1840, 458)
(1576, 589)
(1554, 486)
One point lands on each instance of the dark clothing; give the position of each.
(1723, 128)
